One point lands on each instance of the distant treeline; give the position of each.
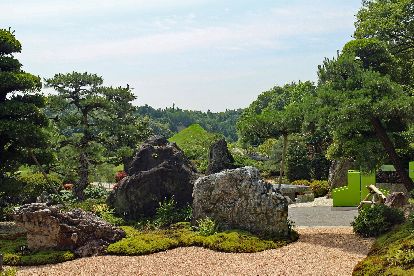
(171, 120)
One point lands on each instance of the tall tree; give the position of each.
(275, 113)
(85, 110)
(22, 121)
(363, 105)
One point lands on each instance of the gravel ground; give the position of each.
(322, 216)
(319, 251)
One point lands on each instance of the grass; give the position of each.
(181, 235)
(391, 254)
(14, 255)
(195, 141)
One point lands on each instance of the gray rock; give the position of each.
(238, 199)
(219, 158)
(49, 228)
(159, 171)
(396, 200)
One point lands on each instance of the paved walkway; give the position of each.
(322, 216)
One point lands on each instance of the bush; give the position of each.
(95, 192)
(319, 187)
(301, 182)
(376, 220)
(8, 272)
(206, 227)
(167, 213)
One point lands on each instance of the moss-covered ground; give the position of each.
(181, 235)
(391, 254)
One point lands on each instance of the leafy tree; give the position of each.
(362, 105)
(391, 22)
(88, 117)
(275, 113)
(22, 121)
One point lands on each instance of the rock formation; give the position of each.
(238, 199)
(396, 200)
(159, 171)
(219, 158)
(82, 232)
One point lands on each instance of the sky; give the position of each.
(199, 54)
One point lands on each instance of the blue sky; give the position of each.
(198, 54)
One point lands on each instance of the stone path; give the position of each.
(322, 216)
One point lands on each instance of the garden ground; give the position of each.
(319, 251)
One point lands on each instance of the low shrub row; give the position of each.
(318, 187)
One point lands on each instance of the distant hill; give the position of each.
(175, 119)
(195, 141)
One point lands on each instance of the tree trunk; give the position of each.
(389, 148)
(83, 160)
(282, 162)
(83, 177)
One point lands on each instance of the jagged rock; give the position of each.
(159, 171)
(238, 199)
(50, 228)
(396, 200)
(219, 158)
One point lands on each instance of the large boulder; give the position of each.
(219, 158)
(238, 199)
(50, 228)
(159, 171)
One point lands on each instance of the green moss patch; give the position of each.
(391, 254)
(181, 235)
(14, 255)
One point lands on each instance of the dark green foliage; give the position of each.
(169, 121)
(391, 254)
(297, 161)
(13, 255)
(22, 121)
(167, 213)
(195, 141)
(93, 124)
(376, 220)
(181, 234)
(96, 192)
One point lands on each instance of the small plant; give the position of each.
(165, 213)
(95, 192)
(301, 182)
(206, 227)
(319, 187)
(65, 196)
(376, 220)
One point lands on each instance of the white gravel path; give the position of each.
(319, 251)
(319, 201)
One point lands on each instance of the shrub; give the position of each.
(95, 192)
(301, 182)
(167, 213)
(64, 195)
(319, 187)
(206, 227)
(376, 220)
